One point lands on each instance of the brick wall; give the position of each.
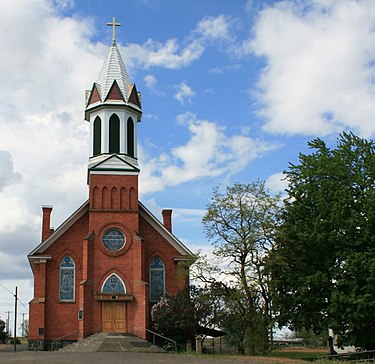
(113, 204)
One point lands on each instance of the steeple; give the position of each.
(113, 109)
(114, 69)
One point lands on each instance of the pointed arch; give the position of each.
(105, 198)
(114, 134)
(113, 285)
(123, 199)
(132, 199)
(67, 279)
(115, 201)
(96, 198)
(97, 137)
(130, 137)
(157, 279)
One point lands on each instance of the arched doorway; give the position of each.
(114, 312)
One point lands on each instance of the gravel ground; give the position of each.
(48, 357)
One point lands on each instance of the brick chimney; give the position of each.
(46, 222)
(167, 219)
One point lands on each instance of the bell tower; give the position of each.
(113, 109)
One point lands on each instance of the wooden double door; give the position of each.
(114, 317)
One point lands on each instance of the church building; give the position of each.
(105, 266)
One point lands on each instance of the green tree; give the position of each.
(25, 328)
(241, 223)
(3, 333)
(323, 268)
(181, 317)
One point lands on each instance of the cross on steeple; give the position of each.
(114, 25)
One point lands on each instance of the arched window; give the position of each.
(67, 278)
(156, 279)
(130, 136)
(97, 146)
(114, 134)
(113, 285)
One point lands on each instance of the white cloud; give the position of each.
(43, 137)
(320, 67)
(150, 81)
(277, 182)
(184, 91)
(209, 152)
(7, 173)
(15, 215)
(214, 27)
(150, 116)
(171, 54)
(168, 54)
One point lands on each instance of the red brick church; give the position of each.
(104, 267)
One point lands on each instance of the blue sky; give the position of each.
(232, 91)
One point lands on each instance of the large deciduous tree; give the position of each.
(241, 223)
(183, 316)
(324, 263)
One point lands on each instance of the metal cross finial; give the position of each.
(114, 25)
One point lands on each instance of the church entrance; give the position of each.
(114, 317)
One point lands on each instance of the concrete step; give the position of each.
(128, 342)
(90, 344)
(107, 342)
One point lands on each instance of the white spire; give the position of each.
(113, 69)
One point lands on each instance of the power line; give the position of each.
(6, 289)
(14, 296)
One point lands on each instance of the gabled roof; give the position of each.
(70, 221)
(143, 211)
(160, 228)
(114, 92)
(113, 69)
(134, 96)
(113, 163)
(94, 95)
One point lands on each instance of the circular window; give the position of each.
(113, 239)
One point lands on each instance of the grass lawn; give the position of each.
(299, 353)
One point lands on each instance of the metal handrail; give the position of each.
(62, 337)
(163, 337)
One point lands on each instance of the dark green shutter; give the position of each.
(97, 136)
(130, 139)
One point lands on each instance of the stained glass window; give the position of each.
(113, 239)
(113, 285)
(67, 279)
(156, 279)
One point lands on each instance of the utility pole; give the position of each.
(7, 321)
(15, 319)
(23, 323)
